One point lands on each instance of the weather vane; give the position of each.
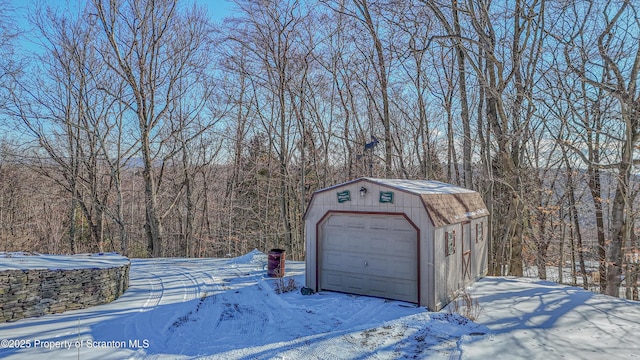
(368, 151)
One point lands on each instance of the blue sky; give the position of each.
(217, 9)
(20, 9)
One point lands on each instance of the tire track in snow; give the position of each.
(208, 285)
(169, 284)
(226, 312)
(230, 310)
(155, 287)
(246, 307)
(190, 285)
(140, 323)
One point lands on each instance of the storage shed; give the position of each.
(412, 240)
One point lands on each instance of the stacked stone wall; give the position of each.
(29, 293)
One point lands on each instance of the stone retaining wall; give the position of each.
(28, 293)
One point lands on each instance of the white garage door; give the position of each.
(372, 255)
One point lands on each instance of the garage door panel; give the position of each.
(391, 243)
(379, 244)
(404, 246)
(353, 243)
(404, 270)
(380, 287)
(341, 241)
(379, 224)
(384, 266)
(355, 264)
(332, 279)
(335, 242)
(398, 289)
(337, 261)
(378, 266)
(369, 255)
(388, 223)
(405, 290)
(341, 261)
(345, 221)
(346, 282)
(401, 225)
(373, 286)
(333, 259)
(355, 283)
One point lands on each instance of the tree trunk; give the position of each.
(381, 72)
(618, 229)
(464, 106)
(153, 226)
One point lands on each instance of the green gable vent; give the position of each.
(344, 196)
(386, 197)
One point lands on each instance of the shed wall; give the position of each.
(427, 275)
(440, 276)
(448, 270)
(480, 264)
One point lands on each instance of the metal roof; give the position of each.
(421, 186)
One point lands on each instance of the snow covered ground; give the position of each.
(21, 260)
(228, 309)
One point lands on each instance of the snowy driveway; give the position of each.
(227, 309)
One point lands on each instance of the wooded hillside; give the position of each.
(146, 128)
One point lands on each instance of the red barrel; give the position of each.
(275, 267)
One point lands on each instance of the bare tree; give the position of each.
(335, 56)
(500, 66)
(580, 124)
(60, 108)
(417, 65)
(151, 46)
(375, 60)
(271, 35)
(9, 65)
(618, 59)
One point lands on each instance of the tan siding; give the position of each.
(369, 197)
(439, 266)
(417, 210)
(448, 269)
(427, 276)
(467, 275)
(454, 268)
(440, 276)
(310, 237)
(480, 265)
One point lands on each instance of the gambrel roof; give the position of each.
(446, 204)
